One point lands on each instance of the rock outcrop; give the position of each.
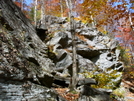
(32, 60)
(25, 69)
(94, 49)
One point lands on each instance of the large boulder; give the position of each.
(59, 38)
(25, 69)
(91, 94)
(26, 91)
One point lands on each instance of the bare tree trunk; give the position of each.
(22, 4)
(61, 8)
(74, 67)
(129, 15)
(132, 54)
(73, 81)
(130, 20)
(93, 22)
(132, 26)
(43, 12)
(42, 9)
(35, 12)
(68, 6)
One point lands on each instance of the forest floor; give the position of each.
(128, 84)
(67, 95)
(129, 87)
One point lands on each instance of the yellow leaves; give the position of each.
(91, 9)
(84, 21)
(129, 72)
(120, 92)
(125, 55)
(104, 79)
(101, 29)
(77, 18)
(132, 7)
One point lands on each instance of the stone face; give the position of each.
(91, 45)
(23, 58)
(24, 36)
(64, 60)
(91, 94)
(59, 38)
(52, 19)
(85, 64)
(94, 51)
(25, 91)
(30, 63)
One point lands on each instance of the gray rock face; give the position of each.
(92, 46)
(52, 19)
(94, 51)
(85, 64)
(59, 38)
(91, 94)
(25, 91)
(64, 60)
(27, 71)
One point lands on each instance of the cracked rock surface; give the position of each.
(33, 59)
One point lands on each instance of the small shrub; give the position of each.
(129, 73)
(105, 80)
(124, 55)
(118, 94)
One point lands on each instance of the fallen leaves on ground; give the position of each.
(64, 92)
(129, 95)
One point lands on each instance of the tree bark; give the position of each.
(35, 12)
(22, 5)
(61, 8)
(42, 10)
(130, 20)
(74, 67)
(68, 6)
(93, 22)
(73, 81)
